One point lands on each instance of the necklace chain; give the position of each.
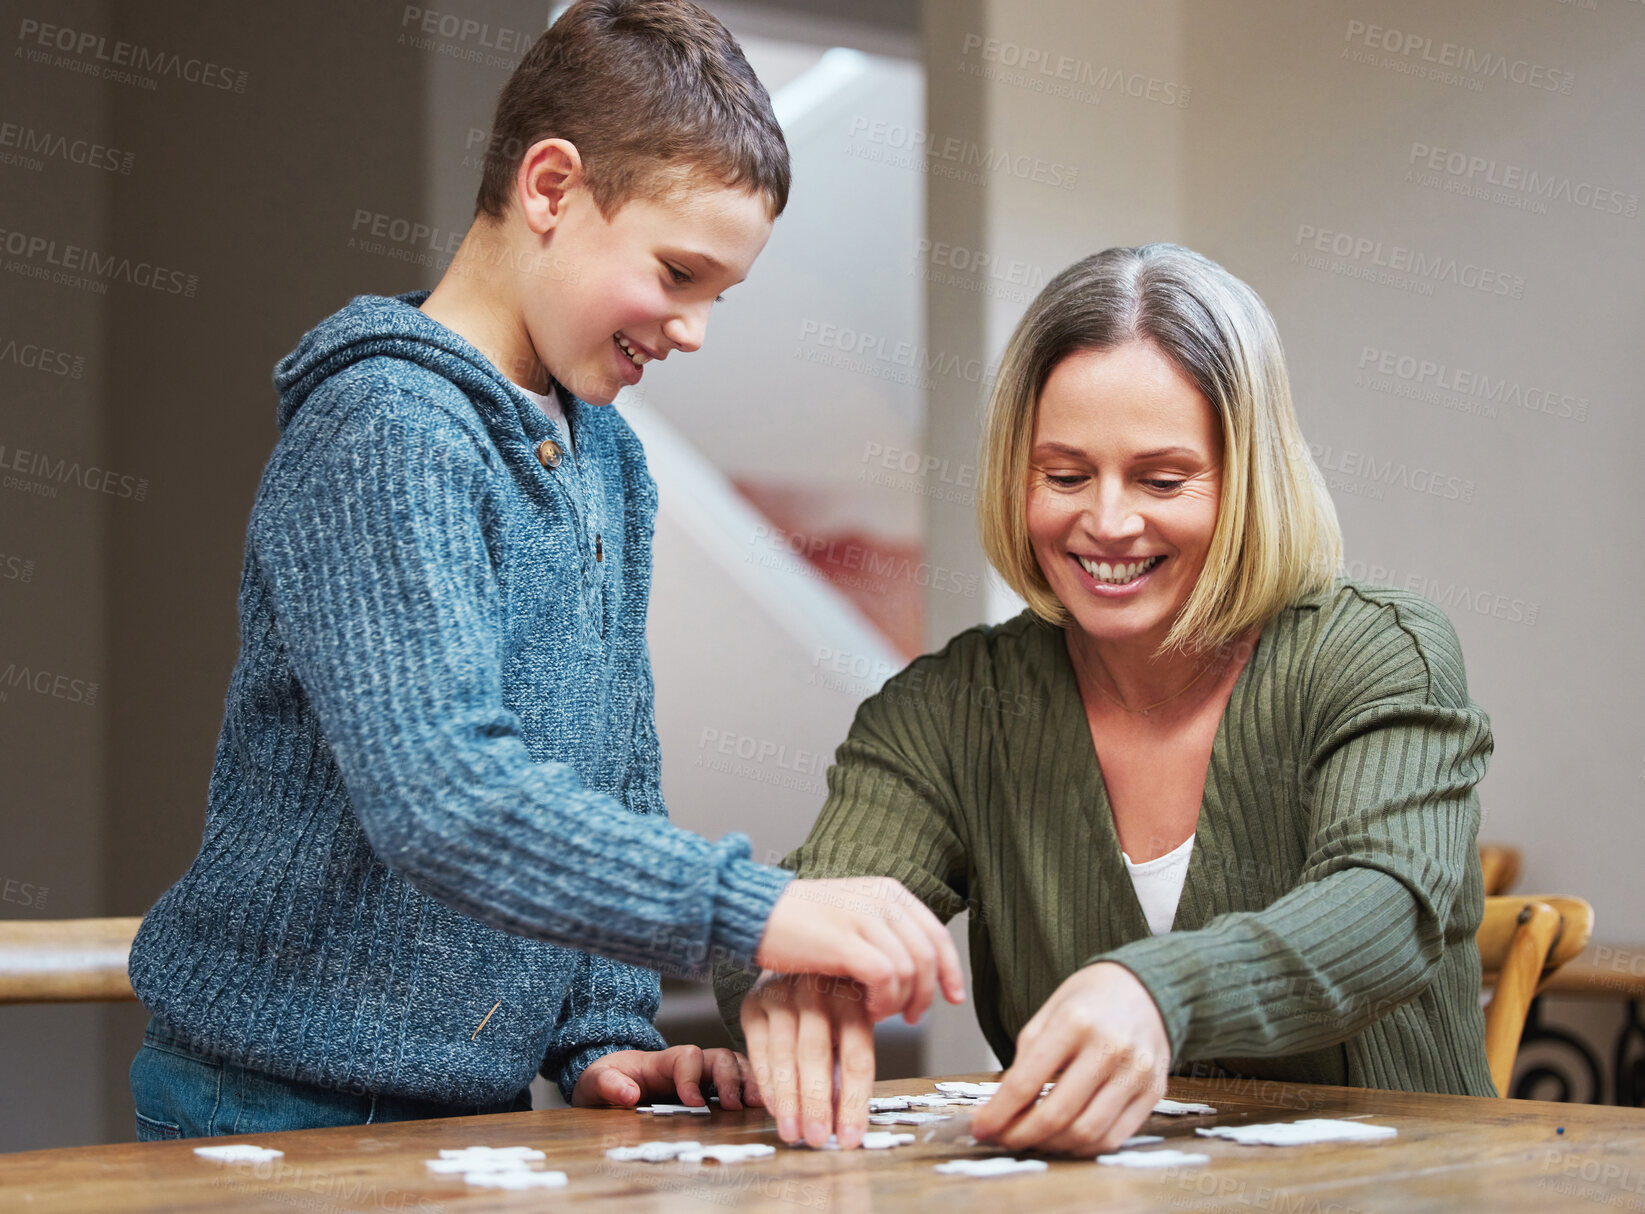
(1146, 708)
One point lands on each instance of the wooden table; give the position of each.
(1452, 1153)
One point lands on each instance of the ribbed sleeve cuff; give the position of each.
(743, 902)
(1171, 976)
(580, 1062)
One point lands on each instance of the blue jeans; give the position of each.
(181, 1092)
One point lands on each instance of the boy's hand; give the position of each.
(672, 1076)
(797, 1025)
(868, 929)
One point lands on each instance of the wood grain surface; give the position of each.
(1452, 1153)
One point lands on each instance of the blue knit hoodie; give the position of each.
(436, 790)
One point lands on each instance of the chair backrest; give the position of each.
(65, 960)
(1523, 940)
(1500, 866)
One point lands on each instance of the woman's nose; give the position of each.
(1112, 514)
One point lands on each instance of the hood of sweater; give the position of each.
(372, 326)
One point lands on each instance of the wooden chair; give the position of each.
(66, 960)
(1522, 941)
(1500, 866)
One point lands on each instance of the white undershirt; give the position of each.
(551, 406)
(1158, 883)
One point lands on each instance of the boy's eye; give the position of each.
(679, 275)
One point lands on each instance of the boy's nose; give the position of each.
(685, 332)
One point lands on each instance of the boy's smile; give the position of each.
(555, 285)
(637, 286)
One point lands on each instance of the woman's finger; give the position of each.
(856, 1053)
(687, 1073)
(782, 1088)
(752, 1096)
(1081, 1079)
(1098, 1123)
(721, 1065)
(1020, 1087)
(815, 1049)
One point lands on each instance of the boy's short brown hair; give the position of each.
(650, 92)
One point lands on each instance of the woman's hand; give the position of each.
(870, 930)
(673, 1076)
(796, 1026)
(1101, 1029)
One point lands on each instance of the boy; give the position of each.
(436, 858)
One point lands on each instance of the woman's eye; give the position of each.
(1064, 482)
(1164, 486)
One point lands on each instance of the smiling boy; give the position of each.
(436, 859)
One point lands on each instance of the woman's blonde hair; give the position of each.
(1276, 536)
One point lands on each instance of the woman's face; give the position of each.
(1124, 480)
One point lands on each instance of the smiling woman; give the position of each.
(1234, 828)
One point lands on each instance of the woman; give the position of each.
(1206, 802)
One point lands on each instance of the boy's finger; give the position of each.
(949, 971)
(893, 995)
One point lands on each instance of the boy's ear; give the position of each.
(550, 169)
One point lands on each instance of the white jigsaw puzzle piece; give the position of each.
(872, 1140)
(1140, 1140)
(1300, 1133)
(887, 1104)
(912, 1117)
(998, 1166)
(239, 1152)
(960, 1087)
(651, 1152)
(492, 1153)
(518, 1179)
(1151, 1159)
(729, 1153)
(668, 1110)
(1182, 1108)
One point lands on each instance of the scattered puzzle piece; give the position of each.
(1182, 1108)
(1140, 1140)
(912, 1117)
(1151, 1159)
(997, 1166)
(519, 1179)
(239, 1152)
(959, 1087)
(729, 1153)
(1299, 1133)
(492, 1153)
(651, 1152)
(667, 1110)
(887, 1104)
(872, 1140)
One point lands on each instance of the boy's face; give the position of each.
(616, 293)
